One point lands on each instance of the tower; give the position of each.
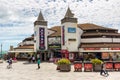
(40, 33)
(69, 32)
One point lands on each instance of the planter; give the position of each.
(97, 67)
(65, 67)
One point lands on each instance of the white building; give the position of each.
(73, 39)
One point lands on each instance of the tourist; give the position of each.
(29, 58)
(33, 58)
(14, 59)
(103, 70)
(38, 62)
(9, 63)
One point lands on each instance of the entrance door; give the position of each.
(43, 57)
(98, 55)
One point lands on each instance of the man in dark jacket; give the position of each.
(103, 70)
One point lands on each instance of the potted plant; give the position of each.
(64, 64)
(96, 64)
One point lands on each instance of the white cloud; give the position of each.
(17, 16)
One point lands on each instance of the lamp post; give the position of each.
(1, 51)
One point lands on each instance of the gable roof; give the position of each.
(57, 32)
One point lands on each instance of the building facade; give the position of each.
(73, 40)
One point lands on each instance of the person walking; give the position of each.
(9, 63)
(38, 62)
(33, 59)
(103, 70)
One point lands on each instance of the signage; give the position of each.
(115, 48)
(71, 39)
(71, 56)
(105, 55)
(41, 38)
(56, 46)
(117, 65)
(54, 40)
(109, 65)
(91, 48)
(71, 30)
(63, 35)
(88, 66)
(78, 65)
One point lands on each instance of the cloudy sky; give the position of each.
(17, 16)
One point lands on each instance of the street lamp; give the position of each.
(1, 51)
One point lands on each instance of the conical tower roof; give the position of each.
(69, 13)
(40, 20)
(40, 17)
(69, 17)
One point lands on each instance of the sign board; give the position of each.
(63, 35)
(71, 56)
(117, 65)
(41, 38)
(115, 48)
(71, 30)
(109, 65)
(91, 48)
(78, 65)
(88, 66)
(105, 55)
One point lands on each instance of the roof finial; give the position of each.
(40, 17)
(69, 13)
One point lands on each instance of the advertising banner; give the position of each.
(91, 48)
(105, 55)
(109, 65)
(117, 65)
(41, 38)
(78, 66)
(63, 35)
(88, 66)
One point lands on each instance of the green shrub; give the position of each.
(96, 61)
(63, 61)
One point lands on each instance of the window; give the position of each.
(71, 30)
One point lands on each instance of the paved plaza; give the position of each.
(23, 71)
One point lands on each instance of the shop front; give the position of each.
(43, 55)
(54, 51)
(106, 54)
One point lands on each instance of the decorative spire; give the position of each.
(40, 17)
(69, 13)
(40, 20)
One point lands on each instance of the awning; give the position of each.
(64, 51)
